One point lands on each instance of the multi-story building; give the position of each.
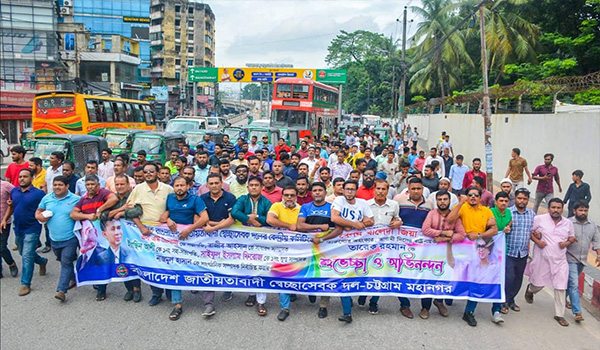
(182, 35)
(105, 38)
(28, 60)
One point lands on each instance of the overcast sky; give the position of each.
(297, 32)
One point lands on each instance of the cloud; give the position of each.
(296, 32)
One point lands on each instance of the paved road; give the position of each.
(38, 321)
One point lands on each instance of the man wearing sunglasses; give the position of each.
(479, 223)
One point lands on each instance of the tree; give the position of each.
(347, 47)
(440, 67)
(251, 92)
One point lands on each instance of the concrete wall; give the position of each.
(573, 138)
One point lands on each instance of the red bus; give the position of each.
(304, 105)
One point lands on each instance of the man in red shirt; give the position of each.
(281, 146)
(12, 172)
(470, 175)
(270, 188)
(367, 190)
(304, 195)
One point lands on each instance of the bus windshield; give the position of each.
(55, 102)
(149, 144)
(181, 125)
(116, 140)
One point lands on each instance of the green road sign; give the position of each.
(203, 74)
(332, 76)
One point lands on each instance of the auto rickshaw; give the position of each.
(384, 134)
(157, 145)
(291, 136)
(27, 139)
(120, 140)
(259, 132)
(235, 132)
(193, 138)
(76, 148)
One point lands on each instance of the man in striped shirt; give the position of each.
(517, 248)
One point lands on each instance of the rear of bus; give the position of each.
(57, 112)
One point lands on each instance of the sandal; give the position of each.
(175, 314)
(578, 317)
(561, 321)
(568, 305)
(515, 307)
(528, 295)
(251, 301)
(100, 296)
(503, 309)
(262, 310)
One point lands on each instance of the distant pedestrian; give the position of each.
(578, 191)
(544, 174)
(516, 166)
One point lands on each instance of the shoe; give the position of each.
(209, 310)
(497, 318)
(283, 314)
(100, 296)
(72, 284)
(528, 295)
(373, 308)
(312, 299)
(14, 270)
(362, 300)
(45, 250)
(405, 310)
(469, 317)
(128, 296)
(424, 314)
(24, 291)
(441, 308)
(60, 296)
(293, 297)
(322, 312)
(137, 296)
(345, 318)
(43, 268)
(251, 301)
(155, 300)
(227, 296)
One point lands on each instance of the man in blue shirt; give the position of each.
(517, 248)
(25, 201)
(208, 145)
(184, 209)
(457, 174)
(91, 168)
(55, 210)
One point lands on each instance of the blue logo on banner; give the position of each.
(238, 74)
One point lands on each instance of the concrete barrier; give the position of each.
(573, 138)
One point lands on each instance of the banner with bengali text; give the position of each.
(375, 261)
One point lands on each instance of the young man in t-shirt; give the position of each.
(350, 213)
(316, 216)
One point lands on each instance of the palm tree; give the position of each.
(438, 20)
(509, 37)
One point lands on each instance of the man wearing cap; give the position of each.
(444, 185)
(506, 186)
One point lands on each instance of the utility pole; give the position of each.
(486, 112)
(402, 95)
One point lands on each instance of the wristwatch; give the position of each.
(479, 235)
(321, 240)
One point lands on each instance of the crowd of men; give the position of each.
(329, 186)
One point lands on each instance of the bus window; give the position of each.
(116, 113)
(132, 113)
(89, 104)
(100, 112)
(280, 117)
(301, 91)
(138, 112)
(298, 118)
(108, 112)
(284, 90)
(148, 115)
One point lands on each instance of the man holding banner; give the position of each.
(186, 209)
(350, 213)
(480, 225)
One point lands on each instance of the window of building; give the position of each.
(208, 27)
(190, 23)
(156, 22)
(178, 62)
(208, 40)
(177, 8)
(191, 10)
(177, 22)
(190, 36)
(177, 48)
(190, 62)
(177, 35)
(190, 49)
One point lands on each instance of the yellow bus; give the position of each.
(67, 112)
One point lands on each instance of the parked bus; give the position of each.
(67, 112)
(304, 105)
(370, 120)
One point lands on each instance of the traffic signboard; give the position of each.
(332, 76)
(203, 74)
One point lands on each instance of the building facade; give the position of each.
(28, 60)
(182, 35)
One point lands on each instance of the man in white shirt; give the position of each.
(106, 169)
(434, 156)
(444, 184)
(311, 161)
(446, 144)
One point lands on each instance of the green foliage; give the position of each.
(418, 98)
(251, 92)
(589, 97)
